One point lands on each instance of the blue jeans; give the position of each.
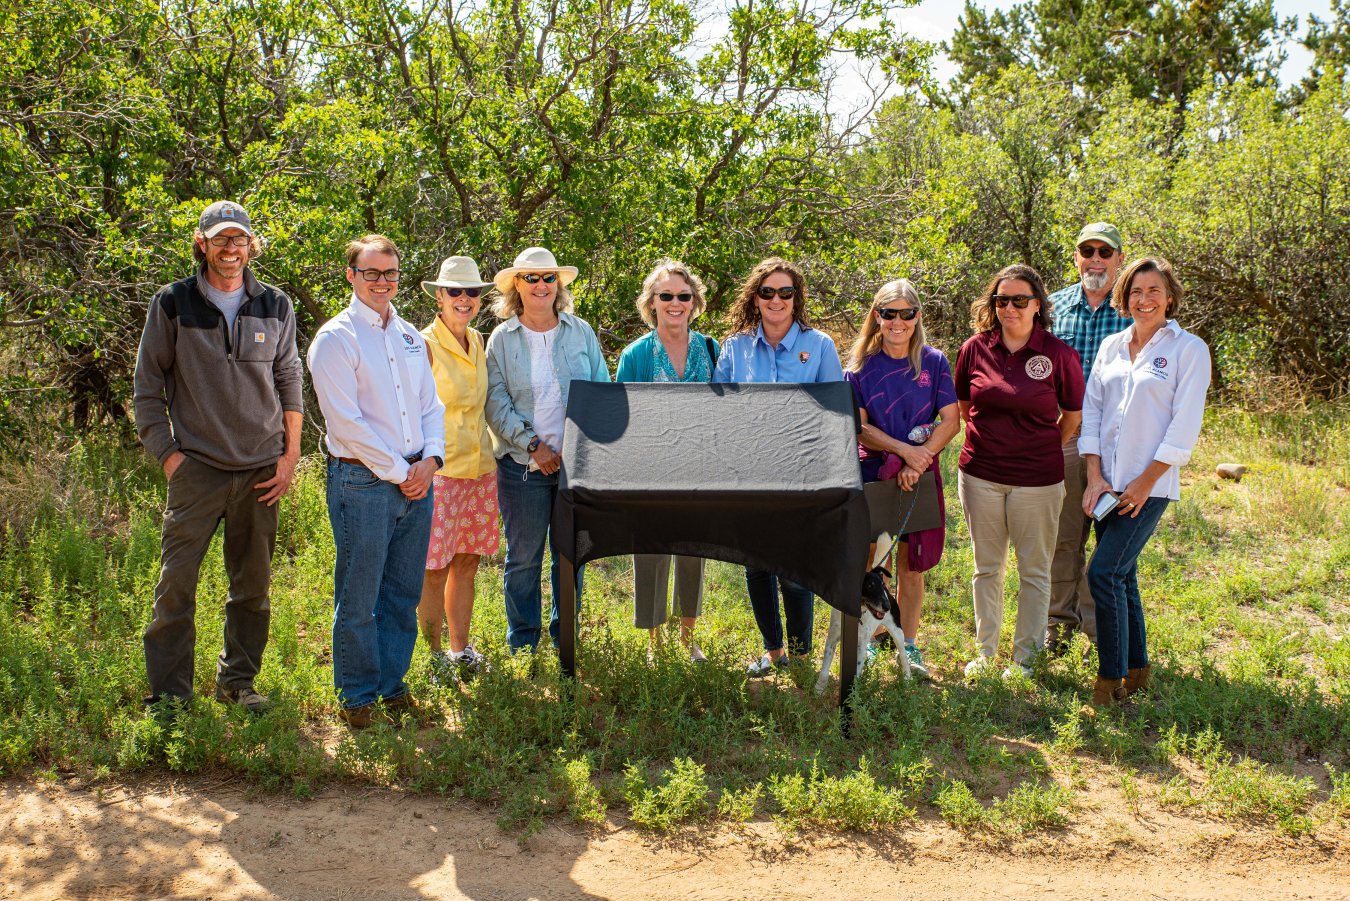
(1113, 578)
(799, 606)
(526, 502)
(381, 539)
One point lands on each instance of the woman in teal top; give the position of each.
(671, 296)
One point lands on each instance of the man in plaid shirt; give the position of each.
(1083, 318)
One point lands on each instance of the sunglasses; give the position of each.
(1020, 301)
(889, 314)
(682, 297)
(535, 278)
(765, 292)
(470, 292)
(1103, 253)
(373, 275)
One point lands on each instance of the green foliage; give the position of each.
(576, 791)
(1164, 51)
(680, 795)
(1245, 599)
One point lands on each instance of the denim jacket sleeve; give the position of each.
(500, 410)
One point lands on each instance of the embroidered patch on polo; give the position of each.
(804, 355)
(1039, 367)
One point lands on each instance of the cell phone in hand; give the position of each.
(1105, 504)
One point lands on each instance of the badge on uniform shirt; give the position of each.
(804, 355)
(407, 339)
(259, 337)
(1039, 367)
(1160, 362)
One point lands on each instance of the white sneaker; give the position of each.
(765, 666)
(1017, 672)
(977, 666)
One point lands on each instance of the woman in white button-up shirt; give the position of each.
(1141, 418)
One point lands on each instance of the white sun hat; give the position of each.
(456, 272)
(535, 259)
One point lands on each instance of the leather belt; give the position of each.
(414, 458)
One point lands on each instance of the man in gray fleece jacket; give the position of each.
(219, 404)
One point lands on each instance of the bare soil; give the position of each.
(206, 839)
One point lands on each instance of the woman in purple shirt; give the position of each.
(904, 387)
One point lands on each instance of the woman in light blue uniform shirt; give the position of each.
(772, 341)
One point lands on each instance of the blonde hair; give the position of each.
(665, 267)
(508, 302)
(868, 342)
(1120, 296)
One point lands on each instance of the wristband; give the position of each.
(440, 463)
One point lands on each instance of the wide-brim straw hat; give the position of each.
(535, 259)
(456, 272)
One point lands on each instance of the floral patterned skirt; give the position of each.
(465, 521)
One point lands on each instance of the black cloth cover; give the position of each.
(761, 475)
(901, 512)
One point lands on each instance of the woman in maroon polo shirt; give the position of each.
(1020, 390)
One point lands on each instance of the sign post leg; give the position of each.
(567, 618)
(848, 664)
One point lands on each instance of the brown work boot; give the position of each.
(1107, 693)
(401, 708)
(356, 718)
(1137, 679)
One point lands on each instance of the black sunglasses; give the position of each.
(765, 292)
(682, 297)
(889, 314)
(1104, 253)
(1018, 300)
(373, 275)
(534, 278)
(455, 292)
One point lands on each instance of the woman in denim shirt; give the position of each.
(532, 358)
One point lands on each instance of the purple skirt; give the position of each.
(925, 548)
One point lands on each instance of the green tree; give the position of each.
(1163, 49)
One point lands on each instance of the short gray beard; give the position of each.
(1094, 282)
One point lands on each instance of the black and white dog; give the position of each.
(879, 608)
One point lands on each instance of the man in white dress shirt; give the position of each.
(385, 439)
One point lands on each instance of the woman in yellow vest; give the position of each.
(465, 523)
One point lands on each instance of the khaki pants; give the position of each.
(1030, 518)
(651, 588)
(1071, 604)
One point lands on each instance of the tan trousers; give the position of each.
(1071, 604)
(1030, 518)
(651, 588)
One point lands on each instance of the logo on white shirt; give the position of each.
(1160, 362)
(1039, 367)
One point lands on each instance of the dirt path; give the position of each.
(189, 839)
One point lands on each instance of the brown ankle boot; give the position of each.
(1107, 693)
(1137, 679)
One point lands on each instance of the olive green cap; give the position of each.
(1100, 231)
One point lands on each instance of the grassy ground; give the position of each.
(1249, 619)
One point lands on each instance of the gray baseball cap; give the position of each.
(224, 214)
